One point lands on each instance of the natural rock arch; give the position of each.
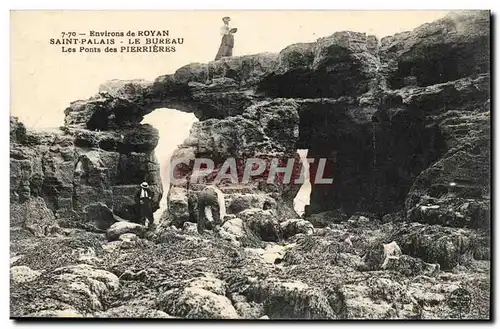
(334, 97)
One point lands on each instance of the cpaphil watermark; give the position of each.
(242, 171)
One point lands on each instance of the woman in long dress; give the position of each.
(227, 43)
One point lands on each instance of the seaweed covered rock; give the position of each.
(290, 299)
(263, 223)
(295, 226)
(34, 216)
(82, 288)
(119, 228)
(200, 298)
(442, 245)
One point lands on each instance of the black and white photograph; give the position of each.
(250, 165)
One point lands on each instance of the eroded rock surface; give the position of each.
(402, 233)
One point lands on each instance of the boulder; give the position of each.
(99, 216)
(66, 313)
(410, 266)
(119, 228)
(442, 245)
(84, 279)
(190, 228)
(196, 303)
(34, 216)
(373, 299)
(71, 290)
(239, 233)
(296, 226)
(322, 219)
(200, 298)
(208, 282)
(263, 223)
(177, 212)
(239, 202)
(132, 311)
(289, 299)
(246, 309)
(21, 274)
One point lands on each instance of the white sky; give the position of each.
(44, 80)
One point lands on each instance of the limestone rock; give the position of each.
(436, 244)
(372, 299)
(189, 228)
(322, 219)
(296, 226)
(262, 223)
(460, 37)
(119, 228)
(67, 313)
(128, 237)
(300, 62)
(102, 111)
(34, 216)
(290, 299)
(239, 233)
(208, 282)
(381, 255)
(239, 202)
(382, 107)
(21, 274)
(79, 288)
(99, 216)
(177, 212)
(73, 168)
(233, 230)
(132, 311)
(199, 299)
(411, 266)
(246, 309)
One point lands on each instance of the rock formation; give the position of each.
(405, 121)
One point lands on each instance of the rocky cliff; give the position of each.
(80, 175)
(405, 121)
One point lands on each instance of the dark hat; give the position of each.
(226, 18)
(233, 30)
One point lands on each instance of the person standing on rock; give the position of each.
(144, 199)
(211, 208)
(227, 43)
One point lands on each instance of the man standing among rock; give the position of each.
(211, 208)
(144, 199)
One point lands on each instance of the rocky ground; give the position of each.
(362, 268)
(402, 233)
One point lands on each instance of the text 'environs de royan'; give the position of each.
(152, 37)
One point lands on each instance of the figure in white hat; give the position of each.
(145, 198)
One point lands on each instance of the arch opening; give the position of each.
(173, 128)
(302, 199)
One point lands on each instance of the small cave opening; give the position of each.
(302, 199)
(429, 65)
(374, 155)
(173, 129)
